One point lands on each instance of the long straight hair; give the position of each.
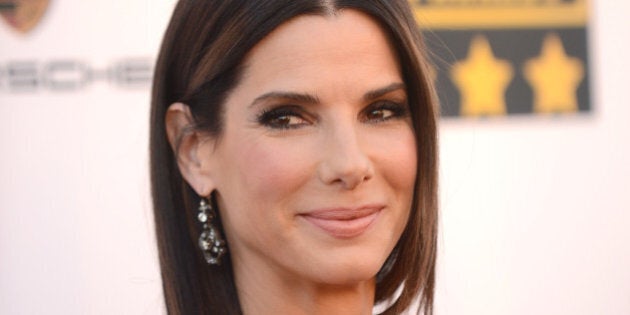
(199, 63)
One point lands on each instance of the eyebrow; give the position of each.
(308, 99)
(374, 94)
(289, 96)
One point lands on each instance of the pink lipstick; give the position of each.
(343, 222)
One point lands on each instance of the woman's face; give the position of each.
(315, 168)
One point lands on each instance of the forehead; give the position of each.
(312, 30)
(347, 46)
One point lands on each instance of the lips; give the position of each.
(344, 222)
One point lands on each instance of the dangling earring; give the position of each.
(210, 241)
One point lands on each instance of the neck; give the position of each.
(268, 292)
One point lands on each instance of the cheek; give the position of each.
(403, 171)
(398, 161)
(261, 179)
(408, 161)
(399, 169)
(270, 171)
(258, 180)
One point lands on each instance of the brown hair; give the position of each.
(200, 62)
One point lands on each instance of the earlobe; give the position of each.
(189, 148)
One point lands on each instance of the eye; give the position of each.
(286, 117)
(385, 110)
(379, 114)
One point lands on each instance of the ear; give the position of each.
(192, 149)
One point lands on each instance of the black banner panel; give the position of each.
(496, 58)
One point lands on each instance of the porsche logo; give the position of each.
(23, 15)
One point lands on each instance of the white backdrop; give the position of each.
(535, 209)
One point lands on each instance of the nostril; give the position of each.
(344, 160)
(346, 175)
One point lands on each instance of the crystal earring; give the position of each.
(210, 241)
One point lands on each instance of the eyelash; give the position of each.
(398, 110)
(280, 117)
(271, 117)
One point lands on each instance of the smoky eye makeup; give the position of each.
(283, 117)
(385, 110)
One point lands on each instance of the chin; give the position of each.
(349, 261)
(350, 269)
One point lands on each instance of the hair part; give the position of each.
(200, 62)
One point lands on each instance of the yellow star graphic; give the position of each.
(555, 77)
(482, 80)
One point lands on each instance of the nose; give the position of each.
(345, 162)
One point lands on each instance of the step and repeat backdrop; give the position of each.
(535, 144)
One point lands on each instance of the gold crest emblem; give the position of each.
(23, 15)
